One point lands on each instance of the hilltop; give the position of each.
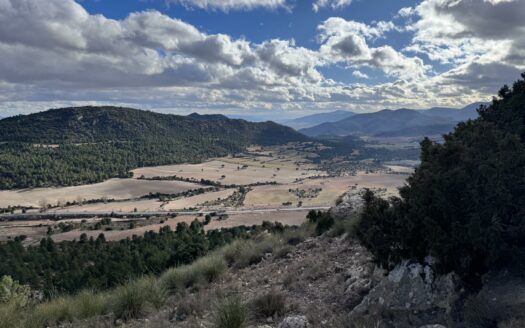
(103, 124)
(76, 145)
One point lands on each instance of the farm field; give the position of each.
(110, 189)
(230, 171)
(271, 184)
(322, 191)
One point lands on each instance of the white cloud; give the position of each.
(359, 75)
(346, 41)
(334, 4)
(55, 53)
(227, 5)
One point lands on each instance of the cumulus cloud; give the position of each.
(360, 75)
(334, 4)
(55, 53)
(346, 41)
(227, 5)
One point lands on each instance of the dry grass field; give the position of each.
(110, 189)
(286, 218)
(274, 196)
(239, 171)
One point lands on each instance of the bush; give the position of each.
(12, 292)
(230, 313)
(268, 305)
(324, 223)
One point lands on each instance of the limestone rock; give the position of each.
(294, 322)
(410, 296)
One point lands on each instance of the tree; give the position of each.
(465, 203)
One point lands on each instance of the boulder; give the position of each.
(294, 322)
(410, 296)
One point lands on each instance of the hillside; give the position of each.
(397, 123)
(375, 123)
(102, 124)
(71, 146)
(316, 119)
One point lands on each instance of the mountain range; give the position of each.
(314, 119)
(396, 123)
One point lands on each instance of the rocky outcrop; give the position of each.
(349, 204)
(410, 296)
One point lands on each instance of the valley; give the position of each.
(264, 183)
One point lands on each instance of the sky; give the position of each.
(254, 57)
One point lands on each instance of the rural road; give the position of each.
(68, 215)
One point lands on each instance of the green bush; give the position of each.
(13, 292)
(464, 204)
(230, 313)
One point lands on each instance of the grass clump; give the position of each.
(202, 271)
(270, 304)
(230, 312)
(51, 313)
(135, 299)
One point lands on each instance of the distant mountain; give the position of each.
(71, 146)
(319, 118)
(399, 123)
(458, 115)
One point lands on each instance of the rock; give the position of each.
(411, 296)
(433, 326)
(294, 322)
(351, 202)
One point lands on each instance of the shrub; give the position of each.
(324, 223)
(13, 292)
(269, 304)
(230, 312)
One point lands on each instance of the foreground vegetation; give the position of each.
(137, 297)
(70, 266)
(465, 204)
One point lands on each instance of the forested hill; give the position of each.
(102, 124)
(72, 146)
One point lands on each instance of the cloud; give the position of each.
(359, 75)
(55, 53)
(347, 41)
(334, 4)
(228, 5)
